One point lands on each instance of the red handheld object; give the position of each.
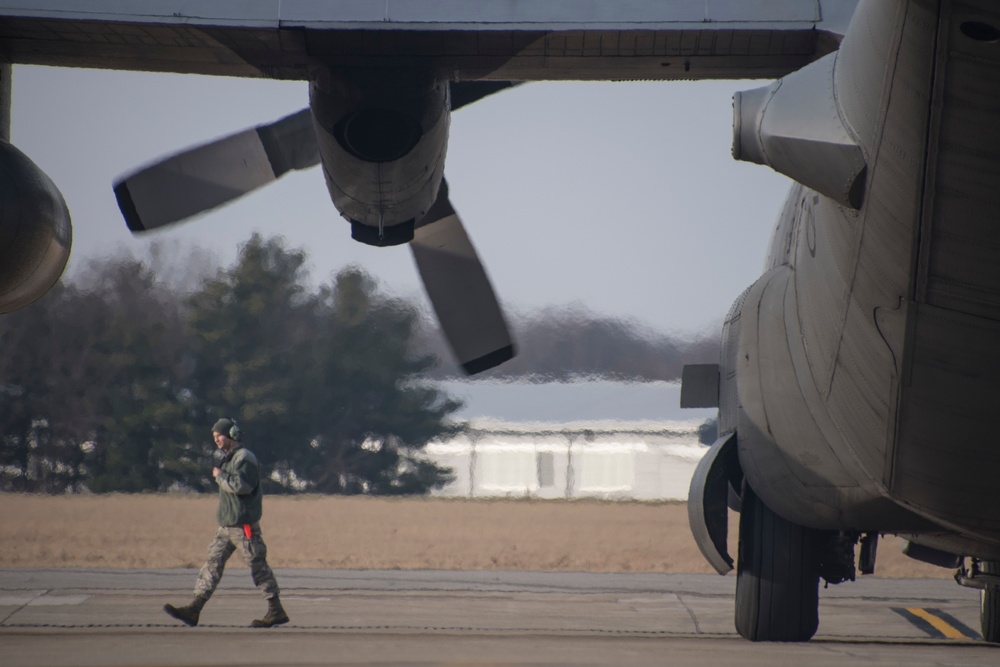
(247, 530)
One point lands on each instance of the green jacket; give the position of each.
(240, 497)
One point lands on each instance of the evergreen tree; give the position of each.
(45, 420)
(319, 383)
(93, 386)
(370, 416)
(247, 336)
(141, 439)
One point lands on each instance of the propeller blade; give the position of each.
(210, 175)
(459, 289)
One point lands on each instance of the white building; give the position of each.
(501, 455)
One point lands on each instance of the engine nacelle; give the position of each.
(35, 230)
(796, 127)
(382, 139)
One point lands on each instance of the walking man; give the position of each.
(240, 509)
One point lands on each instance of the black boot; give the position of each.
(275, 615)
(188, 614)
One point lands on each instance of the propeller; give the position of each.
(210, 175)
(459, 289)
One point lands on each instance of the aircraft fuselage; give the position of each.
(859, 371)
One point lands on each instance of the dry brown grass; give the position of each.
(166, 531)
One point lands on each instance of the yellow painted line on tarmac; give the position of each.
(939, 624)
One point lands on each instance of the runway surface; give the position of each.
(113, 617)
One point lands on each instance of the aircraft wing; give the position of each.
(471, 39)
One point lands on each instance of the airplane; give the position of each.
(855, 383)
(853, 386)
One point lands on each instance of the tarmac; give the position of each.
(75, 617)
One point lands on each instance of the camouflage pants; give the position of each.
(254, 553)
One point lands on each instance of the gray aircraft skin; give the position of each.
(857, 374)
(855, 383)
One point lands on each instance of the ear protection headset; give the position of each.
(234, 432)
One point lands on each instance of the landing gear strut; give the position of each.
(984, 575)
(989, 612)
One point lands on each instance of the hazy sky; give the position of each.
(622, 197)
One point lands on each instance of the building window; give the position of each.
(546, 464)
(606, 471)
(507, 471)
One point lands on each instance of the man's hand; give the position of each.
(215, 472)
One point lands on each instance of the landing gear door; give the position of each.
(708, 501)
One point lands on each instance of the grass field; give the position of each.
(167, 531)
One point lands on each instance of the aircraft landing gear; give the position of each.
(984, 575)
(989, 612)
(777, 585)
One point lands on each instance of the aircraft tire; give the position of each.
(989, 613)
(777, 581)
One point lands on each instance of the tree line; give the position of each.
(561, 344)
(111, 382)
